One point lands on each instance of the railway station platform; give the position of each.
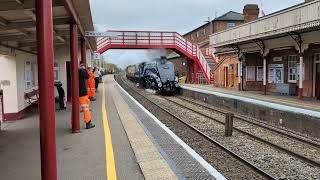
(128, 142)
(302, 116)
(293, 101)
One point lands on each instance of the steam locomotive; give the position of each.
(158, 75)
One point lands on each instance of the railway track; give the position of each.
(293, 135)
(286, 150)
(188, 128)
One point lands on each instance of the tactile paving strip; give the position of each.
(178, 158)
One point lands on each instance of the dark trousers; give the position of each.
(61, 102)
(96, 82)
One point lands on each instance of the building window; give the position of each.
(28, 74)
(197, 34)
(259, 73)
(275, 73)
(251, 73)
(204, 31)
(56, 71)
(292, 69)
(231, 25)
(317, 57)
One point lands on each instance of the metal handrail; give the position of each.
(157, 38)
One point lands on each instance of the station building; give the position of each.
(19, 71)
(277, 53)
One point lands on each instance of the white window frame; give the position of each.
(254, 73)
(28, 74)
(257, 73)
(57, 70)
(292, 66)
(233, 25)
(197, 34)
(204, 31)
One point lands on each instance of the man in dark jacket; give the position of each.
(83, 96)
(61, 93)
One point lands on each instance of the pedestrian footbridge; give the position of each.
(154, 40)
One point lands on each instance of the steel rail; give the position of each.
(233, 154)
(306, 159)
(297, 136)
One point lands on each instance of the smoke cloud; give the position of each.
(124, 58)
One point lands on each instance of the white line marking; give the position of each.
(258, 102)
(194, 154)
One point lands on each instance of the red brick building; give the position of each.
(279, 53)
(226, 72)
(200, 36)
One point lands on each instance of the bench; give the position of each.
(32, 96)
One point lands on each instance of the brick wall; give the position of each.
(252, 59)
(199, 35)
(223, 25)
(202, 33)
(255, 59)
(229, 60)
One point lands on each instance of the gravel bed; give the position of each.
(276, 162)
(291, 144)
(222, 161)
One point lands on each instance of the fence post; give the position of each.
(228, 125)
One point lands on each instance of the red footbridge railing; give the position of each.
(154, 40)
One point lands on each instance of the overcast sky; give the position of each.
(165, 15)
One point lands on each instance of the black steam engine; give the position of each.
(158, 75)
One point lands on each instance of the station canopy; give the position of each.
(18, 23)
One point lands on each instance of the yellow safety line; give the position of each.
(110, 165)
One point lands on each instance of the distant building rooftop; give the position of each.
(229, 16)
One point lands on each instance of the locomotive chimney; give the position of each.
(250, 12)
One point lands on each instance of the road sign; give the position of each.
(102, 34)
(97, 56)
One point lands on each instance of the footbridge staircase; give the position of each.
(154, 40)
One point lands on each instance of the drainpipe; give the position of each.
(75, 78)
(46, 89)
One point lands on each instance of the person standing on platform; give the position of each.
(83, 96)
(91, 84)
(97, 73)
(62, 98)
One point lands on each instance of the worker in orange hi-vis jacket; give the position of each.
(83, 97)
(91, 84)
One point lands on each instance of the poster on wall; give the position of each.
(275, 73)
(28, 74)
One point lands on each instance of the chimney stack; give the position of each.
(251, 12)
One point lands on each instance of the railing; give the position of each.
(299, 17)
(152, 39)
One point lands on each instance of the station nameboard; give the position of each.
(102, 34)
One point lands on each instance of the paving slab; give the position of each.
(151, 166)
